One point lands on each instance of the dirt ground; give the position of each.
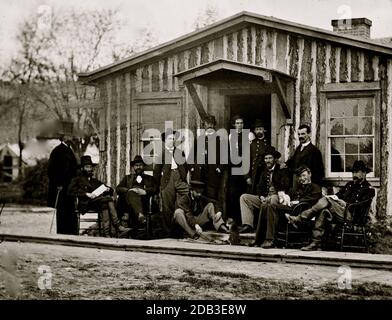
(84, 273)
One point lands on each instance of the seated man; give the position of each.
(195, 210)
(135, 189)
(333, 207)
(272, 180)
(306, 191)
(83, 186)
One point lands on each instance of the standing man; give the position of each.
(257, 148)
(210, 171)
(62, 168)
(237, 182)
(134, 190)
(170, 177)
(308, 155)
(272, 180)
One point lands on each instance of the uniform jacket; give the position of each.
(62, 167)
(257, 149)
(311, 157)
(352, 192)
(280, 180)
(129, 182)
(309, 193)
(162, 171)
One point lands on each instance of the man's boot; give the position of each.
(308, 214)
(105, 223)
(313, 246)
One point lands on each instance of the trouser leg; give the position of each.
(319, 225)
(179, 218)
(113, 214)
(168, 195)
(320, 205)
(249, 202)
(261, 224)
(134, 201)
(105, 220)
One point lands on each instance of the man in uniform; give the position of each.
(333, 207)
(62, 168)
(257, 148)
(195, 210)
(306, 191)
(272, 180)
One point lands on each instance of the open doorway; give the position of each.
(252, 107)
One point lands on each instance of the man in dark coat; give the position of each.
(272, 180)
(330, 208)
(83, 186)
(308, 155)
(195, 210)
(237, 182)
(209, 171)
(257, 148)
(170, 174)
(134, 191)
(62, 167)
(305, 191)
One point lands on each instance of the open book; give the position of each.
(101, 189)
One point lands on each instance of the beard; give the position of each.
(139, 172)
(88, 174)
(260, 135)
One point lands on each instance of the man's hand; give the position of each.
(218, 170)
(249, 181)
(293, 203)
(91, 195)
(262, 199)
(139, 191)
(198, 229)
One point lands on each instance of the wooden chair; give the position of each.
(343, 233)
(289, 236)
(90, 220)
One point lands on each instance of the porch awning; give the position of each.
(276, 78)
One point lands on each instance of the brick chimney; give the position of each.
(359, 27)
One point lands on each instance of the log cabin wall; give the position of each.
(311, 61)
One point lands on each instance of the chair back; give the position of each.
(360, 211)
(300, 207)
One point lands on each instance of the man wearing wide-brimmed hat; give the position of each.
(333, 207)
(272, 180)
(83, 186)
(133, 191)
(62, 167)
(305, 191)
(257, 148)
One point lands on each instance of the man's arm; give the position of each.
(313, 195)
(75, 189)
(123, 186)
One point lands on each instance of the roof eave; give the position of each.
(230, 22)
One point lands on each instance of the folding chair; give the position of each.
(287, 234)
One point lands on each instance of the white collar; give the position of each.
(305, 144)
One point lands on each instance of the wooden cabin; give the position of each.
(259, 67)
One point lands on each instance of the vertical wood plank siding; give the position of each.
(312, 63)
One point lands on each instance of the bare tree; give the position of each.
(206, 17)
(54, 48)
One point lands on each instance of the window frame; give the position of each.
(344, 91)
(158, 100)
